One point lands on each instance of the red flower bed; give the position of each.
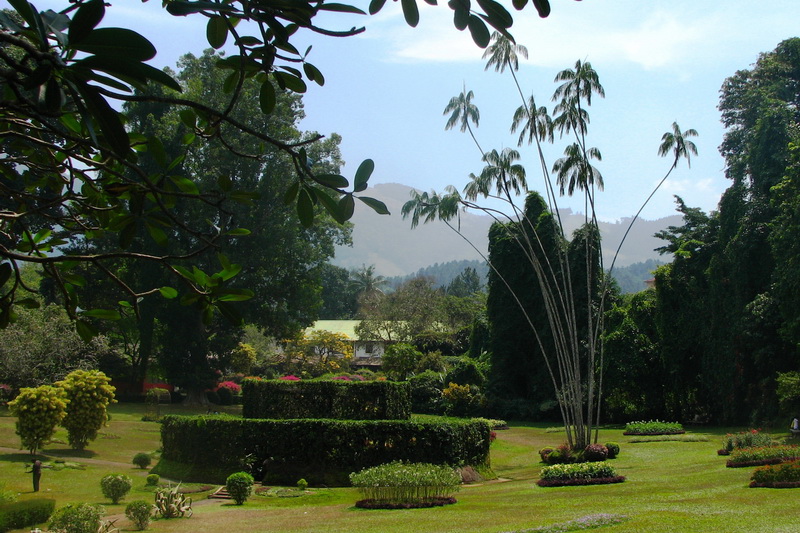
(379, 504)
(576, 482)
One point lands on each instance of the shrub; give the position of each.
(462, 400)
(115, 486)
(18, 515)
(152, 480)
(239, 486)
(782, 475)
(613, 449)
(595, 453)
(77, 518)
(762, 456)
(752, 438)
(561, 455)
(653, 427)
(545, 452)
(142, 460)
(302, 484)
(465, 371)
(38, 412)
(88, 394)
(398, 483)
(344, 400)
(224, 396)
(331, 450)
(426, 392)
(172, 504)
(139, 512)
(579, 474)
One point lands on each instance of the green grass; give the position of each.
(672, 486)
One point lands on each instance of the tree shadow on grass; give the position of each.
(69, 452)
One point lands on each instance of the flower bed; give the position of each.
(653, 427)
(765, 455)
(780, 476)
(752, 438)
(561, 475)
(399, 485)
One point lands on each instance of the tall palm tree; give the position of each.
(573, 171)
(503, 53)
(462, 112)
(500, 172)
(580, 82)
(536, 123)
(675, 141)
(366, 282)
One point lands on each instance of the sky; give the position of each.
(386, 89)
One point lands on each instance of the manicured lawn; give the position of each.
(671, 486)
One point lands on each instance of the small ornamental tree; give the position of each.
(88, 393)
(115, 486)
(400, 360)
(239, 486)
(38, 412)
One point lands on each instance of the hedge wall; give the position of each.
(324, 452)
(26, 513)
(343, 400)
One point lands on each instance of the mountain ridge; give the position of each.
(389, 243)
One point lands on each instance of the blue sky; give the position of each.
(386, 89)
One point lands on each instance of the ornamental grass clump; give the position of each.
(779, 476)
(401, 485)
(653, 427)
(579, 474)
(765, 455)
(752, 438)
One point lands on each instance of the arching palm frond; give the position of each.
(536, 123)
(676, 141)
(502, 53)
(574, 171)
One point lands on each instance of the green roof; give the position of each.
(347, 327)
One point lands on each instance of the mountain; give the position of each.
(389, 243)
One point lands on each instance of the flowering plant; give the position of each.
(752, 438)
(290, 377)
(230, 385)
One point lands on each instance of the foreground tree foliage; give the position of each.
(72, 171)
(88, 393)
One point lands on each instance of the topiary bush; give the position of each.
(140, 513)
(152, 480)
(302, 485)
(613, 449)
(77, 518)
(115, 486)
(19, 515)
(38, 412)
(595, 452)
(579, 474)
(239, 486)
(88, 394)
(399, 484)
(142, 460)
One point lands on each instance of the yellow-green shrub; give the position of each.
(88, 392)
(38, 412)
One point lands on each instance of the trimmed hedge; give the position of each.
(342, 400)
(209, 448)
(19, 515)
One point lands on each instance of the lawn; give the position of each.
(671, 486)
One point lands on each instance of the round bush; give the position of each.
(142, 460)
(613, 449)
(595, 452)
(80, 518)
(115, 486)
(152, 480)
(225, 396)
(239, 486)
(139, 512)
(545, 452)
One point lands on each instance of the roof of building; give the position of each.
(346, 327)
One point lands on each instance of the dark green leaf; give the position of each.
(217, 32)
(305, 208)
(519, 4)
(110, 123)
(224, 183)
(124, 303)
(347, 206)
(74, 279)
(182, 7)
(157, 234)
(543, 7)
(479, 31)
(291, 193)
(235, 295)
(117, 42)
(331, 206)
(293, 83)
(230, 82)
(156, 149)
(333, 181)
(267, 98)
(5, 273)
(25, 11)
(313, 74)
(28, 303)
(341, 8)
(498, 16)
(376, 205)
(460, 14)
(363, 173)
(188, 118)
(238, 232)
(208, 315)
(85, 20)
(185, 184)
(410, 12)
(168, 292)
(85, 330)
(224, 261)
(375, 6)
(185, 272)
(103, 314)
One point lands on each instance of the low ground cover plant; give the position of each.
(765, 455)
(653, 427)
(406, 485)
(579, 474)
(779, 476)
(752, 438)
(592, 521)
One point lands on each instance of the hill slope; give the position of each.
(389, 243)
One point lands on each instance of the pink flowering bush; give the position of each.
(235, 388)
(290, 377)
